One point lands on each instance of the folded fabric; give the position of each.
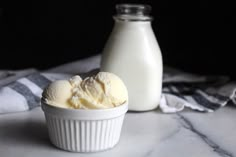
(24, 93)
(21, 90)
(202, 93)
(7, 77)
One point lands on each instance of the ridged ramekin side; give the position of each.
(84, 135)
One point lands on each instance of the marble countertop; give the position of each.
(144, 134)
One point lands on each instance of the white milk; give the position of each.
(132, 53)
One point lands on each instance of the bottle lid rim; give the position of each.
(133, 12)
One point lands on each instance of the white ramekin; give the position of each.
(84, 130)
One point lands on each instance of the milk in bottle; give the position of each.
(132, 53)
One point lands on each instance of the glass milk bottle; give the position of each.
(132, 53)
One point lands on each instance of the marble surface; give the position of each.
(144, 134)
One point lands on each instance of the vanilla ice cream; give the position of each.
(104, 90)
(58, 94)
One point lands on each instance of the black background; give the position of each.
(196, 36)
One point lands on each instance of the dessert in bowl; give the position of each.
(85, 115)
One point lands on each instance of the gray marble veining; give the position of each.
(216, 148)
(144, 134)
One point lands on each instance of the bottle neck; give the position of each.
(132, 25)
(132, 18)
(133, 12)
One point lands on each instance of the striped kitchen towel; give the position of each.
(22, 90)
(201, 93)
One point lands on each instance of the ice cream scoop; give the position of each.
(104, 90)
(58, 93)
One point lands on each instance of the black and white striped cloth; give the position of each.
(201, 93)
(21, 90)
